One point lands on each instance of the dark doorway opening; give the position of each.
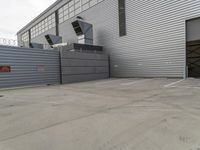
(193, 58)
(193, 48)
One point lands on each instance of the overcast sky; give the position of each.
(15, 14)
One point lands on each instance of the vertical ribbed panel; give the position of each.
(155, 41)
(81, 66)
(29, 66)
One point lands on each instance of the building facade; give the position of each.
(144, 38)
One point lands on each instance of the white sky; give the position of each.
(15, 14)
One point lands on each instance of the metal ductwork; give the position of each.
(53, 39)
(84, 31)
(36, 45)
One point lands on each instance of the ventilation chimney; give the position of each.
(84, 31)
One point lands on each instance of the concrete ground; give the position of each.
(115, 114)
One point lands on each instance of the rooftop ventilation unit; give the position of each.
(84, 31)
(36, 45)
(53, 39)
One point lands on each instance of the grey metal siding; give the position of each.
(141, 53)
(67, 32)
(41, 38)
(78, 66)
(25, 63)
(155, 41)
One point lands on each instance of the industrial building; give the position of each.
(144, 38)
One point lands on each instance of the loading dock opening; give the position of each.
(193, 47)
(193, 58)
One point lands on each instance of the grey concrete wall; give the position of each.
(78, 66)
(29, 66)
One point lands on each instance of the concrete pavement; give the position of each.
(115, 114)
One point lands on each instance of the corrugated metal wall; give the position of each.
(156, 37)
(29, 66)
(155, 41)
(80, 66)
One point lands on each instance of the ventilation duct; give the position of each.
(53, 39)
(36, 45)
(84, 31)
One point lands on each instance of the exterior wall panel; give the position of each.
(41, 38)
(79, 66)
(29, 66)
(155, 41)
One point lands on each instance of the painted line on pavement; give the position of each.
(186, 87)
(174, 83)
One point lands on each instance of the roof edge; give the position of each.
(40, 15)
